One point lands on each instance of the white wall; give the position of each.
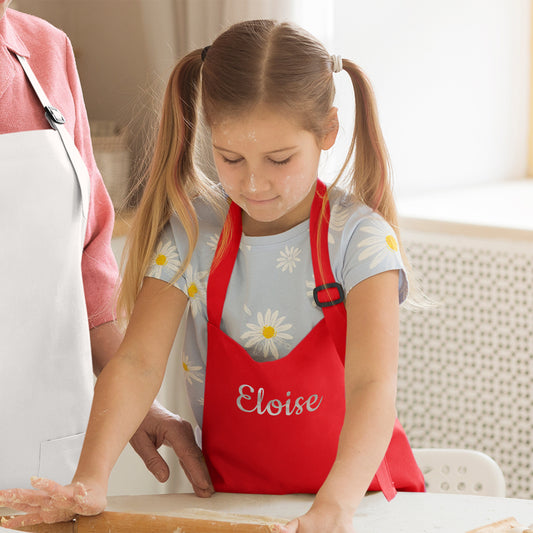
(452, 84)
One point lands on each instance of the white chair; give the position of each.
(458, 471)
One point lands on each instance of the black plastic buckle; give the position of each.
(53, 115)
(328, 303)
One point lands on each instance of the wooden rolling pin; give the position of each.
(112, 522)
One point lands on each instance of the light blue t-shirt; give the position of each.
(269, 305)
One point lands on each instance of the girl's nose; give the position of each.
(256, 184)
(251, 184)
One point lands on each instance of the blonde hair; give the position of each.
(254, 62)
(173, 180)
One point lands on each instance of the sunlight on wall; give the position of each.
(452, 84)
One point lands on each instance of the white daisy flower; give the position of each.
(337, 220)
(380, 245)
(267, 333)
(247, 310)
(196, 288)
(212, 242)
(165, 256)
(288, 258)
(192, 372)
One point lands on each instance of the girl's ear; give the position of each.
(331, 129)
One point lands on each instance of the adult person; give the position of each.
(58, 273)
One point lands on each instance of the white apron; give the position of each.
(45, 357)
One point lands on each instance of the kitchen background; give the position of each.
(453, 87)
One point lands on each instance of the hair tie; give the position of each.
(204, 52)
(336, 63)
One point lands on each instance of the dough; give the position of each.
(509, 525)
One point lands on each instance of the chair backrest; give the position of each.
(460, 471)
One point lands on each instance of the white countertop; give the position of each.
(407, 513)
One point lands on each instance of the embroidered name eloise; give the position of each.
(250, 401)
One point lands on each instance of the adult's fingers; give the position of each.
(193, 463)
(145, 448)
(200, 491)
(191, 458)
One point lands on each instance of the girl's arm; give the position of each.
(160, 426)
(124, 392)
(370, 377)
(130, 381)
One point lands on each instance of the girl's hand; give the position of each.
(320, 519)
(51, 502)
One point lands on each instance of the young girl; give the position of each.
(292, 290)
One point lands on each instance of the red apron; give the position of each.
(273, 427)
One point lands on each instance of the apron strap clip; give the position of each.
(331, 301)
(54, 116)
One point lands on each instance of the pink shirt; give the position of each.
(50, 56)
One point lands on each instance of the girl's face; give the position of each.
(268, 166)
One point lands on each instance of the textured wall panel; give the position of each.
(466, 364)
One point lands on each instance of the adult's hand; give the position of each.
(51, 502)
(163, 427)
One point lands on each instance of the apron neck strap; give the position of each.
(328, 293)
(57, 121)
(223, 262)
(52, 114)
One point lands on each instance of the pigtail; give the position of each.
(172, 180)
(370, 176)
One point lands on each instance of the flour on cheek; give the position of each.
(294, 188)
(227, 187)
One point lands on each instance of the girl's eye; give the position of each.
(284, 162)
(231, 161)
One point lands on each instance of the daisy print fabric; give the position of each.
(266, 334)
(196, 288)
(165, 256)
(380, 243)
(269, 306)
(288, 258)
